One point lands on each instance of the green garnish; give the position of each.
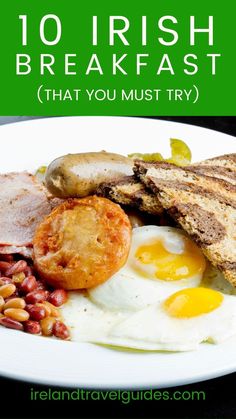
(180, 154)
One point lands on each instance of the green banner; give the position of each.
(118, 58)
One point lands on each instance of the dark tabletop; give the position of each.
(219, 399)
(219, 403)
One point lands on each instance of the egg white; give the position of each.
(88, 322)
(128, 289)
(150, 328)
(154, 326)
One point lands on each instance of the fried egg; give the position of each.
(165, 298)
(180, 323)
(162, 260)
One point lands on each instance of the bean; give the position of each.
(47, 326)
(14, 295)
(53, 310)
(2, 303)
(15, 303)
(4, 266)
(40, 285)
(58, 297)
(10, 323)
(28, 306)
(18, 278)
(16, 268)
(33, 327)
(60, 330)
(37, 313)
(28, 271)
(46, 308)
(37, 296)
(7, 290)
(29, 284)
(31, 313)
(5, 280)
(17, 314)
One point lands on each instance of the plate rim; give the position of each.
(147, 118)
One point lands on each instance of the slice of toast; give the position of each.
(204, 206)
(131, 192)
(222, 167)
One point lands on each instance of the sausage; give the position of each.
(79, 175)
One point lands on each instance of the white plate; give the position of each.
(41, 360)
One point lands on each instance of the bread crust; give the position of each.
(131, 192)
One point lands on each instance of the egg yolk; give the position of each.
(192, 302)
(172, 266)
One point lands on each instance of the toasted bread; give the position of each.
(222, 167)
(204, 206)
(131, 192)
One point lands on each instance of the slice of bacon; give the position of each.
(23, 204)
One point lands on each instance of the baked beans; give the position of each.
(27, 303)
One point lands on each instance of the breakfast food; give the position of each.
(204, 206)
(79, 175)
(100, 273)
(154, 328)
(162, 260)
(221, 167)
(148, 306)
(180, 154)
(23, 204)
(82, 243)
(27, 303)
(131, 192)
